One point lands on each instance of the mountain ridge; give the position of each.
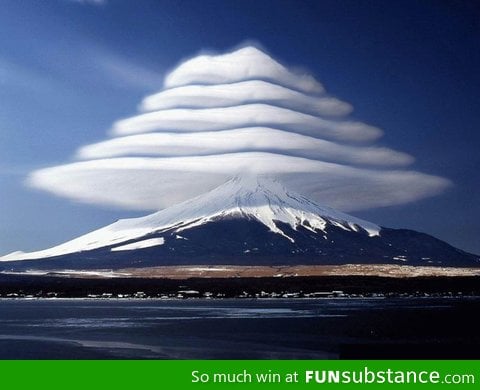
(247, 220)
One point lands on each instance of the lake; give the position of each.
(239, 329)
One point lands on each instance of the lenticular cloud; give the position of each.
(238, 113)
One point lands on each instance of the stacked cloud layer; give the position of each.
(238, 113)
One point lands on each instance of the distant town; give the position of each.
(193, 294)
(345, 287)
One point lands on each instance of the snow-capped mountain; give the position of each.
(247, 220)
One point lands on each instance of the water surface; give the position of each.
(238, 329)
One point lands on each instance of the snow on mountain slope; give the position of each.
(250, 197)
(140, 244)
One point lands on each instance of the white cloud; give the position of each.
(247, 115)
(248, 63)
(155, 183)
(242, 140)
(228, 115)
(244, 92)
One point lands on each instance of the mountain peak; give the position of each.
(264, 199)
(248, 220)
(252, 197)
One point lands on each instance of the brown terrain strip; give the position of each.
(233, 271)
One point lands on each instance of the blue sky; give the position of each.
(69, 69)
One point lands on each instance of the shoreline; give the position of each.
(249, 299)
(304, 287)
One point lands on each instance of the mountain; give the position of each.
(246, 221)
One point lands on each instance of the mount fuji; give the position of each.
(249, 220)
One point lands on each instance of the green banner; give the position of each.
(247, 374)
